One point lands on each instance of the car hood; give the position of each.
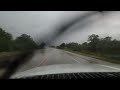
(66, 68)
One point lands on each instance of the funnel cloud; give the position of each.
(41, 25)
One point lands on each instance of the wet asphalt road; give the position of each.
(51, 56)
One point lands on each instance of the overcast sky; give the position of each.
(41, 23)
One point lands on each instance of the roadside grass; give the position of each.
(8, 56)
(93, 55)
(10, 61)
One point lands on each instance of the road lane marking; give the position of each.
(77, 60)
(24, 68)
(40, 62)
(71, 57)
(34, 66)
(109, 67)
(37, 65)
(43, 61)
(74, 59)
(46, 59)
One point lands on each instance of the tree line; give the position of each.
(95, 44)
(22, 42)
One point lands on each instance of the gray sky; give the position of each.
(41, 23)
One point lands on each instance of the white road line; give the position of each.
(47, 59)
(40, 62)
(24, 70)
(109, 67)
(33, 66)
(44, 60)
(74, 59)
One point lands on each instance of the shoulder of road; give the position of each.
(94, 56)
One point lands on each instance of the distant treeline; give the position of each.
(95, 44)
(23, 42)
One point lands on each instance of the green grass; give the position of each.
(93, 55)
(8, 57)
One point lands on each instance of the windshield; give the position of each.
(59, 41)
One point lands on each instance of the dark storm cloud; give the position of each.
(102, 24)
(33, 22)
(40, 24)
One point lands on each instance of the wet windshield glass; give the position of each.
(37, 39)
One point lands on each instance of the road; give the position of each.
(51, 56)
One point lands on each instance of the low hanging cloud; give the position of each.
(40, 24)
(33, 22)
(102, 24)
